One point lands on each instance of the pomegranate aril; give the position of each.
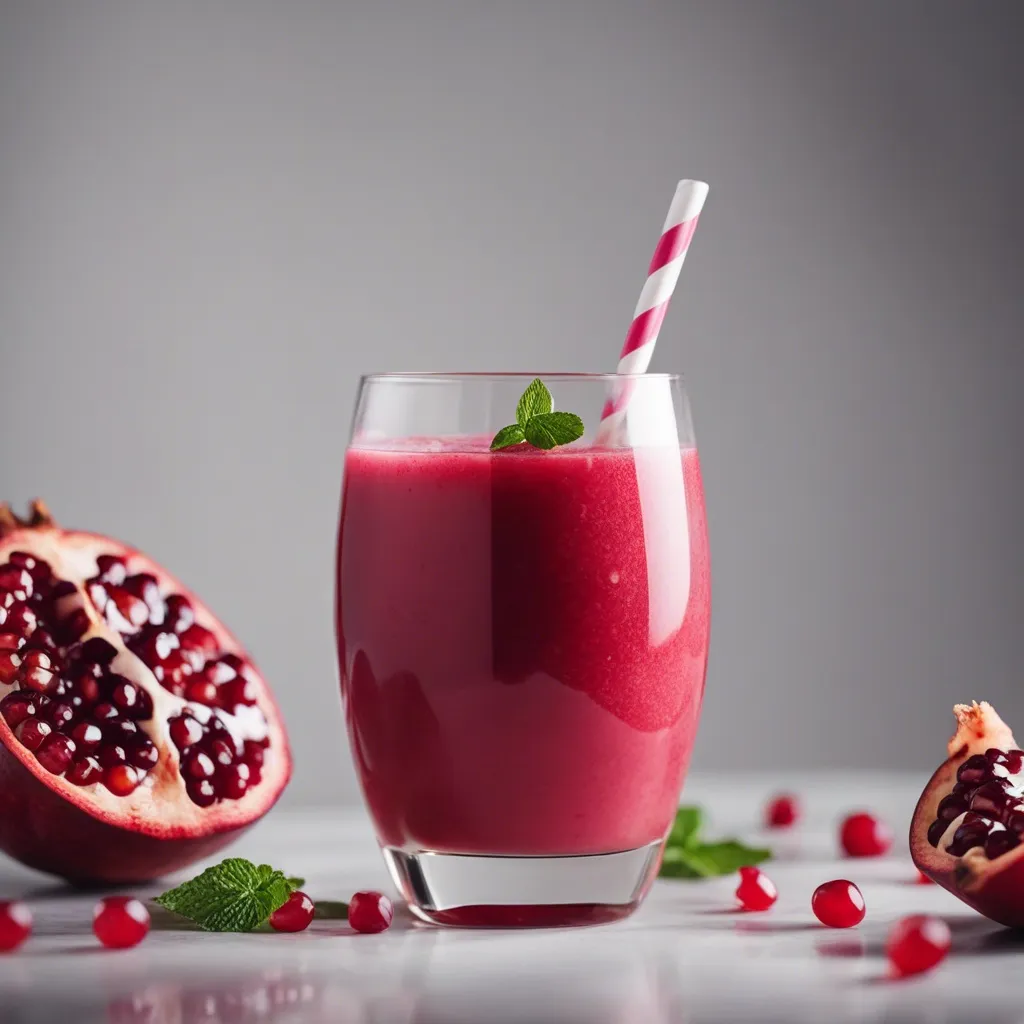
(120, 921)
(201, 791)
(143, 754)
(120, 730)
(105, 712)
(10, 665)
(87, 688)
(294, 915)
(838, 904)
(125, 612)
(56, 753)
(201, 691)
(180, 615)
(232, 781)
(87, 736)
(16, 580)
(199, 639)
(84, 772)
(73, 626)
(41, 640)
(38, 568)
(782, 811)
(20, 618)
(122, 779)
(173, 672)
(97, 651)
(973, 831)
(864, 835)
(16, 707)
(252, 754)
(185, 731)
(97, 594)
(1000, 842)
(989, 799)
(221, 751)
(111, 569)
(951, 807)
(370, 912)
(15, 924)
(199, 765)
(145, 586)
(238, 691)
(124, 695)
(917, 944)
(112, 755)
(32, 732)
(756, 890)
(11, 642)
(975, 770)
(60, 715)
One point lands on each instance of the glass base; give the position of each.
(470, 890)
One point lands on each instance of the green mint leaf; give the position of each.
(686, 827)
(535, 401)
(508, 436)
(331, 910)
(295, 883)
(675, 863)
(553, 428)
(706, 860)
(232, 896)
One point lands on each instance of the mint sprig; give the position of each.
(537, 423)
(232, 896)
(687, 857)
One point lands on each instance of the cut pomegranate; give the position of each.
(120, 922)
(15, 925)
(294, 915)
(136, 736)
(783, 811)
(916, 944)
(756, 890)
(968, 827)
(838, 904)
(864, 835)
(370, 912)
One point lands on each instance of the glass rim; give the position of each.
(455, 376)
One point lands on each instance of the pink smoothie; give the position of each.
(523, 640)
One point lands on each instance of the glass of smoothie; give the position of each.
(522, 639)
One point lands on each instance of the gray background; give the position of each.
(214, 216)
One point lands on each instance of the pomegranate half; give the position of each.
(967, 829)
(136, 736)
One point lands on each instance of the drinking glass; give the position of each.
(522, 640)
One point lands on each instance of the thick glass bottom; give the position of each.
(470, 890)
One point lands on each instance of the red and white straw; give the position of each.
(662, 275)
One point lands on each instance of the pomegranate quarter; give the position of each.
(136, 736)
(967, 828)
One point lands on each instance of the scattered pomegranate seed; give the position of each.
(783, 811)
(838, 904)
(370, 912)
(916, 944)
(864, 835)
(120, 921)
(122, 779)
(15, 925)
(295, 915)
(756, 890)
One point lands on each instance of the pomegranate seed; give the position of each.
(120, 730)
(180, 615)
(221, 752)
(173, 672)
(143, 754)
(916, 944)
(294, 915)
(97, 594)
(32, 732)
(838, 904)
(11, 642)
(185, 731)
(74, 625)
(98, 651)
(200, 640)
(370, 912)
(39, 679)
(111, 569)
(252, 754)
(10, 666)
(783, 811)
(145, 586)
(84, 772)
(199, 765)
(105, 712)
(120, 921)
(87, 736)
(40, 570)
(15, 925)
(17, 581)
(125, 612)
(6, 599)
(238, 691)
(201, 791)
(864, 835)
(122, 779)
(21, 618)
(201, 691)
(220, 671)
(125, 694)
(113, 755)
(16, 707)
(756, 890)
(55, 753)
(60, 715)
(233, 780)
(41, 640)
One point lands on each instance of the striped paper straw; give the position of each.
(652, 305)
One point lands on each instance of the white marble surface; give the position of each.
(685, 956)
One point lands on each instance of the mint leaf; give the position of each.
(295, 883)
(508, 436)
(331, 910)
(706, 860)
(554, 428)
(535, 401)
(232, 896)
(686, 826)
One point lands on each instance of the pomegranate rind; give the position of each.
(994, 888)
(87, 834)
